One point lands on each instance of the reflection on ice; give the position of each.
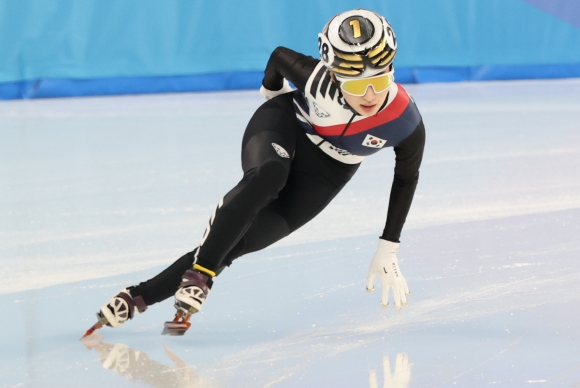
(399, 379)
(136, 365)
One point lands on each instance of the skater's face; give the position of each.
(367, 104)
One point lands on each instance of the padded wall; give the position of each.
(91, 47)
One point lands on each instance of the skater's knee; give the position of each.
(268, 181)
(259, 186)
(271, 176)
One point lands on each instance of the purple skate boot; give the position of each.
(189, 298)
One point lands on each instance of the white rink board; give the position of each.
(100, 193)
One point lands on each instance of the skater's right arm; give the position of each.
(286, 63)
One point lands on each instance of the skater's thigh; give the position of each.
(304, 196)
(267, 148)
(270, 134)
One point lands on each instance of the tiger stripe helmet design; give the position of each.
(357, 43)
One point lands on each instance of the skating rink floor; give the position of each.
(100, 193)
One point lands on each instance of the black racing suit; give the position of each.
(287, 181)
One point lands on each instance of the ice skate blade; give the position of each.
(101, 321)
(179, 325)
(175, 328)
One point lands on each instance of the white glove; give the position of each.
(268, 94)
(385, 265)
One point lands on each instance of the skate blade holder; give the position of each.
(179, 325)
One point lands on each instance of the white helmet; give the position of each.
(357, 43)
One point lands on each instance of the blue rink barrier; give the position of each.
(65, 48)
(486, 73)
(54, 87)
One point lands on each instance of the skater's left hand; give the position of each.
(268, 94)
(386, 265)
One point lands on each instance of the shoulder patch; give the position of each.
(319, 111)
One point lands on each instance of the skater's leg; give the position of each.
(265, 172)
(314, 180)
(164, 285)
(267, 148)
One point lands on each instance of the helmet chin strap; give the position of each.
(384, 102)
(345, 128)
(347, 106)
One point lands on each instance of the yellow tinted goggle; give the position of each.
(358, 87)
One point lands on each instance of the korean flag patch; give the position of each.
(373, 142)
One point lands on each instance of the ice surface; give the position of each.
(100, 193)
